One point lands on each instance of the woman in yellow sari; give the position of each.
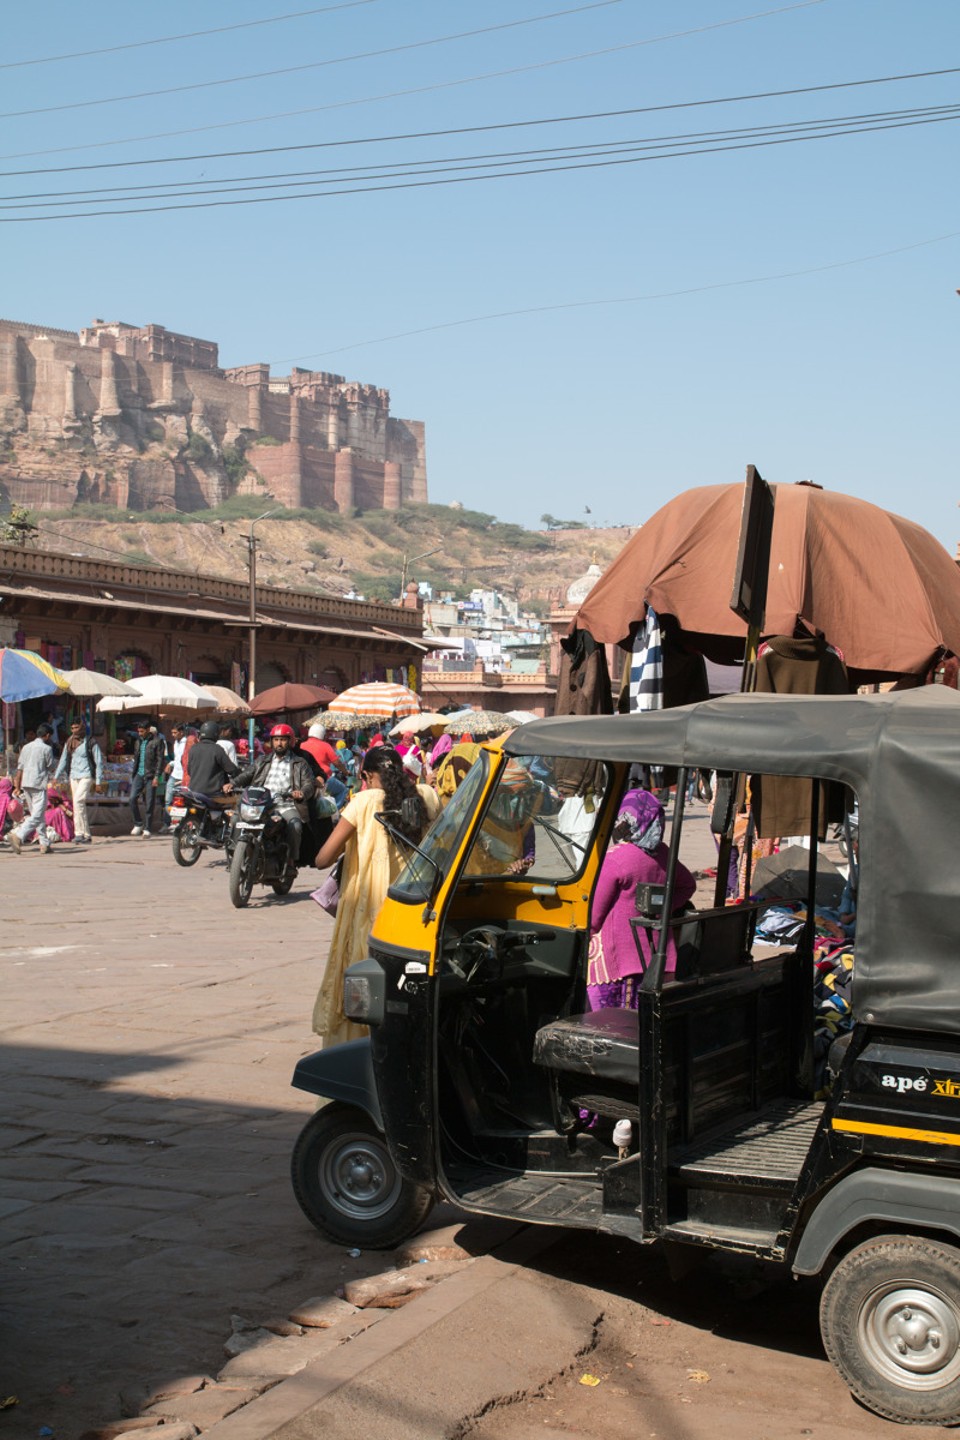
(371, 863)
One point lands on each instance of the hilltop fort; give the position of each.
(145, 419)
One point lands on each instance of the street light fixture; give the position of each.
(252, 647)
(412, 560)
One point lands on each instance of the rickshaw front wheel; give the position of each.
(890, 1321)
(348, 1186)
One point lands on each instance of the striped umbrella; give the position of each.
(379, 700)
(25, 675)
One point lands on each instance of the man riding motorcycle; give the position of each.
(209, 767)
(287, 776)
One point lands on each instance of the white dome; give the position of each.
(581, 588)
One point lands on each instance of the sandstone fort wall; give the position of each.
(142, 417)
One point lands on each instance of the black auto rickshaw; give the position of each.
(482, 1057)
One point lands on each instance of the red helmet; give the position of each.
(282, 732)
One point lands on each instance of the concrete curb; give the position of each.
(320, 1378)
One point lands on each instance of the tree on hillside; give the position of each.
(552, 523)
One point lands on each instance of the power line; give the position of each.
(623, 299)
(593, 149)
(313, 64)
(409, 184)
(107, 550)
(480, 129)
(189, 35)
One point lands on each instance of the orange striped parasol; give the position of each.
(379, 699)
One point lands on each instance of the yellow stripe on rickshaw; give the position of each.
(897, 1132)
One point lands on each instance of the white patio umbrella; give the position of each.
(416, 724)
(161, 692)
(89, 684)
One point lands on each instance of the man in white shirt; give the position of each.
(34, 773)
(226, 742)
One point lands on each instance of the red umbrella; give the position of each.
(879, 587)
(281, 699)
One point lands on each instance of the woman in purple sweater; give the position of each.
(636, 856)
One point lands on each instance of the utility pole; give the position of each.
(252, 645)
(412, 560)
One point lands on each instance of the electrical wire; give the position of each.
(416, 90)
(47, 199)
(624, 299)
(189, 35)
(480, 129)
(314, 64)
(460, 179)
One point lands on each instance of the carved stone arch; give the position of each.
(209, 670)
(270, 673)
(333, 677)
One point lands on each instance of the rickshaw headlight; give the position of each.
(365, 993)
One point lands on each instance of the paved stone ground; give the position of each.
(149, 1035)
(150, 1031)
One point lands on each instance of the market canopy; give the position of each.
(478, 722)
(379, 699)
(25, 675)
(160, 692)
(228, 701)
(89, 684)
(879, 587)
(286, 698)
(417, 724)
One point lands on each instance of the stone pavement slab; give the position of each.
(149, 1033)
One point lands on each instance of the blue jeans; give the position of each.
(143, 785)
(337, 789)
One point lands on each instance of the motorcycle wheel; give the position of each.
(285, 885)
(241, 874)
(348, 1186)
(186, 843)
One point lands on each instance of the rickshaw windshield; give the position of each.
(440, 846)
(528, 828)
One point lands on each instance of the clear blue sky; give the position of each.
(699, 359)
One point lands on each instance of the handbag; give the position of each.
(327, 895)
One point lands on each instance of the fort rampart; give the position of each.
(144, 418)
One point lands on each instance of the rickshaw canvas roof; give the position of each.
(901, 754)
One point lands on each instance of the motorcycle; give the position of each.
(257, 840)
(198, 824)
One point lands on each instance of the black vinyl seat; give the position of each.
(603, 1044)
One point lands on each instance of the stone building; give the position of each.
(143, 418)
(129, 620)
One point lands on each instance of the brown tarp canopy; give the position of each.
(880, 588)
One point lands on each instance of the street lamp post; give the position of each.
(252, 647)
(412, 560)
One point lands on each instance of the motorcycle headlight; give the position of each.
(251, 812)
(365, 993)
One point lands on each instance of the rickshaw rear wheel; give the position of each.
(348, 1186)
(890, 1321)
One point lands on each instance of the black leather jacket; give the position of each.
(156, 748)
(302, 777)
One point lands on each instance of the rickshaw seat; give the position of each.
(602, 1043)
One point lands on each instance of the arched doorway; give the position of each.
(269, 673)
